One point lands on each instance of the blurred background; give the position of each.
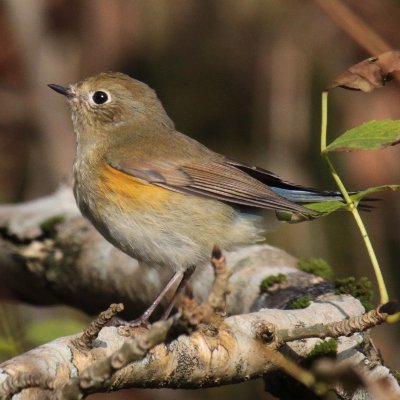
(244, 78)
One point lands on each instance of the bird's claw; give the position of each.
(128, 328)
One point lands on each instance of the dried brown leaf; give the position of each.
(370, 74)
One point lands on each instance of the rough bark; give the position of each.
(233, 353)
(49, 255)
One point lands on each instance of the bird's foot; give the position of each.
(142, 321)
(129, 328)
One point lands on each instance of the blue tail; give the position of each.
(298, 195)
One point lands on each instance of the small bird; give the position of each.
(155, 193)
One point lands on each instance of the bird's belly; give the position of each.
(160, 226)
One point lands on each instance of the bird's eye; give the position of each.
(100, 97)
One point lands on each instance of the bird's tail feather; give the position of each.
(307, 196)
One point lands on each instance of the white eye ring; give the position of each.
(100, 97)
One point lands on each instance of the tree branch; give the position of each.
(207, 357)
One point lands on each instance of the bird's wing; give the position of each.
(213, 179)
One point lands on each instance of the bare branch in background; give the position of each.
(354, 26)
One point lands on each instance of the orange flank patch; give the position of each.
(125, 187)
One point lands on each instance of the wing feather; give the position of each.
(218, 180)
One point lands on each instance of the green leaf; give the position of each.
(326, 207)
(372, 135)
(49, 329)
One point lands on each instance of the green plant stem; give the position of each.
(324, 121)
(384, 298)
(393, 318)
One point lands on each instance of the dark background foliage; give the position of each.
(243, 77)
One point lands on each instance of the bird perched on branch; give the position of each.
(157, 194)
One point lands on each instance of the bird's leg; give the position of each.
(144, 318)
(186, 276)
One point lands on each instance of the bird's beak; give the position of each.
(66, 91)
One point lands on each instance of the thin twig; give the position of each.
(213, 310)
(346, 327)
(84, 342)
(95, 376)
